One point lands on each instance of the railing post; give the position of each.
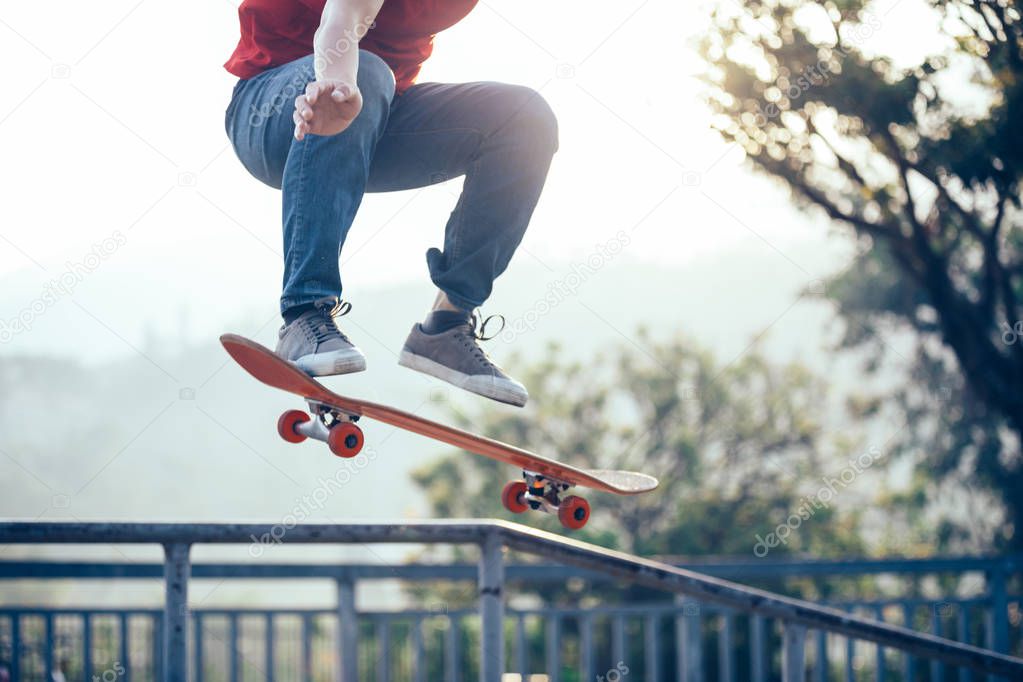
(618, 656)
(882, 671)
(418, 651)
(233, 657)
(269, 661)
(157, 670)
(175, 612)
(122, 645)
(48, 647)
(87, 645)
(491, 585)
(651, 647)
(586, 646)
(521, 660)
(793, 660)
(726, 671)
(758, 671)
(820, 663)
(689, 641)
(553, 648)
(908, 662)
(15, 668)
(347, 631)
(999, 614)
(198, 649)
(963, 635)
(451, 657)
(384, 650)
(999, 610)
(937, 669)
(305, 661)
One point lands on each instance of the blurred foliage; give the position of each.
(736, 447)
(923, 164)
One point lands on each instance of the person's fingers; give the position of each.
(341, 92)
(302, 107)
(301, 124)
(311, 92)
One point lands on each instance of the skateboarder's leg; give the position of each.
(501, 138)
(322, 179)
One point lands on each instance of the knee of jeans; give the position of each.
(376, 82)
(533, 118)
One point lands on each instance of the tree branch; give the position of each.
(969, 220)
(844, 164)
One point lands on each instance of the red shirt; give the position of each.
(275, 32)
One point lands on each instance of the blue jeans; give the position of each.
(500, 137)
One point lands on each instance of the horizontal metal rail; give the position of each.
(633, 609)
(532, 573)
(810, 566)
(492, 536)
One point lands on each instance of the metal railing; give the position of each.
(718, 599)
(562, 643)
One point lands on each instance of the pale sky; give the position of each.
(111, 122)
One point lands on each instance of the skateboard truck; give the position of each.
(329, 424)
(543, 493)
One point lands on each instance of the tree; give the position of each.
(733, 447)
(923, 164)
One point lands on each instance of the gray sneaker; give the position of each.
(455, 357)
(314, 343)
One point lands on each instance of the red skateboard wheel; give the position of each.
(574, 512)
(513, 497)
(288, 421)
(345, 439)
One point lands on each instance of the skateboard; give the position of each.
(332, 418)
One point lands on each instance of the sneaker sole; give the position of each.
(487, 389)
(346, 361)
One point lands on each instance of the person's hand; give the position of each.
(326, 108)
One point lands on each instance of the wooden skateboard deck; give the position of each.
(337, 413)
